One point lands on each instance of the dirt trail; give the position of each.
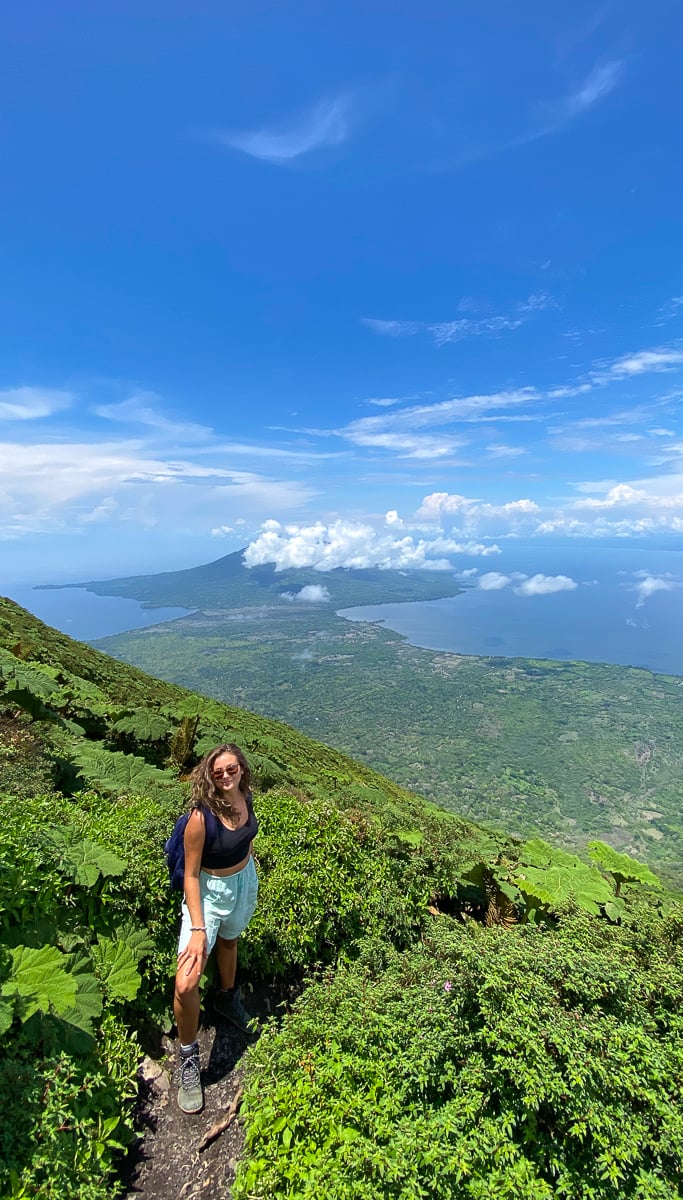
(167, 1164)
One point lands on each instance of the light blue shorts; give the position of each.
(228, 903)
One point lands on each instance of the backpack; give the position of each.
(174, 848)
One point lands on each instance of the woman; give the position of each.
(220, 897)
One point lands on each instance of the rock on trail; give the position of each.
(167, 1163)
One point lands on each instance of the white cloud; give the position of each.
(59, 486)
(446, 545)
(392, 518)
(108, 508)
(312, 593)
(537, 302)
(662, 359)
(544, 585)
(32, 403)
(500, 450)
(328, 123)
(630, 509)
(595, 485)
(493, 581)
(351, 544)
(622, 494)
(409, 445)
(647, 585)
(222, 531)
(468, 515)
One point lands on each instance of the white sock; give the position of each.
(192, 1046)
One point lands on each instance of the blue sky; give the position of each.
(348, 283)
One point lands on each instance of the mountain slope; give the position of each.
(466, 1004)
(227, 583)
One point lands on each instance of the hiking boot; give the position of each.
(229, 1005)
(190, 1095)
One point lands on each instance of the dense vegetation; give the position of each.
(480, 1016)
(569, 751)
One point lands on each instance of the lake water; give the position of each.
(85, 616)
(604, 619)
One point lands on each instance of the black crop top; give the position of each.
(227, 847)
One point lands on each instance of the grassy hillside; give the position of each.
(480, 1016)
(570, 751)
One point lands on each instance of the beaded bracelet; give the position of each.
(198, 928)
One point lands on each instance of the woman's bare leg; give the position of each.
(186, 1005)
(226, 961)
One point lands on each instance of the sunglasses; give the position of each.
(229, 771)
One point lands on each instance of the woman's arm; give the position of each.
(194, 955)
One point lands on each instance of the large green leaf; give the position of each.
(145, 725)
(117, 968)
(84, 860)
(6, 1015)
(554, 885)
(537, 853)
(554, 876)
(39, 981)
(114, 772)
(19, 676)
(88, 1004)
(624, 868)
(137, 938)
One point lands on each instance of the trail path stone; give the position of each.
(167, 1163)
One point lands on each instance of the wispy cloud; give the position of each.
(393, 329)
(387, 401)
(654, 361)
(143, 408)
(443, 332)
(648, 584)
(444, 412)
(408, 445)
(554, 115)
(602, 80)
(673, 308)
(501, 450)
(328, 123)
(32, 403)
(662, 359)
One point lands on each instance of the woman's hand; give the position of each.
(194, 956)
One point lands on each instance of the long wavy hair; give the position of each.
(204, 790)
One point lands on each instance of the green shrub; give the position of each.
(483, 1064)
